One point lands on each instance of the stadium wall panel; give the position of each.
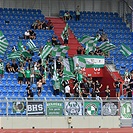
(60, 122)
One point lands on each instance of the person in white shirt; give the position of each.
(67, 91)
(27, 34)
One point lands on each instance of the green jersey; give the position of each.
(27, 73)
(37, 73)
(21, 73)
(1, 68)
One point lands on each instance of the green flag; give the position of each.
(25, 54)
(32, 46)
(126, 51)
(89, 61)
(60, 51)
(14, 55)
(3, 43)
(46, 50)
(107, 46)
(65, 29)
(20, 46)
(88, 39)
(1, 67)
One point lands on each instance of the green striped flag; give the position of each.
(20, 46)
(32, 46)
(60, 51)
(46, 50)
(89, 61)
(107, 46)
(14, 55)
(68, 69)
(3, 43)
(126, 51)
(65, 29)
(88, 39)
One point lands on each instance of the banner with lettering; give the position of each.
(94, 72)
(126, 110)
(110, 108)
(92, 108)
(35, 108)
(73, 108)
(55, 108)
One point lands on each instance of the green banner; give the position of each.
(92, 108)
(55, 108)
(126, 110)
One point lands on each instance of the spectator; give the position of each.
(38, 75)
(67, 16)
(54, 40)
(126, 73)
(107, 91)
(79, 50)
(44, 25)
(32, 76)
(129, 92)
(50, 25)
(117, 84)
(39, 87)
(39, 24)
(29, 94)
(1, 68)
(56, 87)
(76, 90)
(27, 75)
(34, 25)
(77, 13)
(65, 37)
(9, 68)
(67, 90)
(14, 66)
(28, 87)
(32, 34)
(21, 75)
(98, 85)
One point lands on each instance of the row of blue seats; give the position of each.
(105, 14)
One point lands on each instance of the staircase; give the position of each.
(59, 25)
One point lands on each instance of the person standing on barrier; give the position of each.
(117, 84)
(107, 92)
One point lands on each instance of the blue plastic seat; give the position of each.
(122, 72)
(49, 93)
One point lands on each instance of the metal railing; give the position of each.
(66, 107)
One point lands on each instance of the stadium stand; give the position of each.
(113, 26)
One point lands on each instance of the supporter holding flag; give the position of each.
(65, 34)
(3, 43)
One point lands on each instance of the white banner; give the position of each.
(126, 110)
(73, 108)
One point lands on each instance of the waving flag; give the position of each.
(60, 51)
(126, 50)
(65, 29)
(46, 50)
(107, 46)
(14, 55)
(32, 46)
(3, 43)
(20, 46)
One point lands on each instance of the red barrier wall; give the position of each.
(107, 80)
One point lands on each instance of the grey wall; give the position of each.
(52, 7)
(60, 122)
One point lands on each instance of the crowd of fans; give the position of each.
(42, 25)
(30, 72)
